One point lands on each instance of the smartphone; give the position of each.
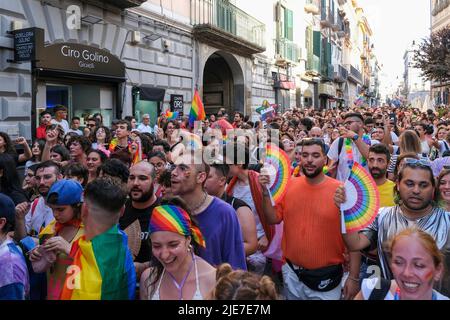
(393, 118)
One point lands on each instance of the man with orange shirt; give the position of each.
(312, 245)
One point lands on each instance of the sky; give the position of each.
(395, 24)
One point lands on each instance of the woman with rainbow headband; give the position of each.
(176, 272)
(416, 263)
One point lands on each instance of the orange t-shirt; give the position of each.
(312, 224)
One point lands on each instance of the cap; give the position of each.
(7, 208)
(67, 192)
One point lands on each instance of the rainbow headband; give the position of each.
(174, 219)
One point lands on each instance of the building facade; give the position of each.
(440, 18)
(415, 89)
(133, 57)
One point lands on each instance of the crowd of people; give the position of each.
(174, 212)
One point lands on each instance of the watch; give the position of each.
(355, 137)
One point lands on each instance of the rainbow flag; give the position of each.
(171, 115)
(197, 112)
(102, 269)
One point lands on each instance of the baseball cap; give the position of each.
(65, 192)
(7, 208)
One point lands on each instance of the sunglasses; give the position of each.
(379, 124)
(415, 162)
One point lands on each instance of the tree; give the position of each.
(433, 56)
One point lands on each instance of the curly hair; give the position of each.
(242, 285)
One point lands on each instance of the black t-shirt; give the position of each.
(17, 196)
(234, 202)
(143, 215)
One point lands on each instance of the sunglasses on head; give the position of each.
(415, 162)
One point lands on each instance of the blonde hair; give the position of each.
(426, 240)
(409, 142)
(242, 285)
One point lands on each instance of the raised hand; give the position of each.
(22, 210)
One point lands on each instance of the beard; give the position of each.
(312, 175)
(425, 204)
(45, 192)
(145, 196)
(377, 173)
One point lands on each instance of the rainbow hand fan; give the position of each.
(363, 200)
(278, 166)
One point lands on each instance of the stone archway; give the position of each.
(223, 83)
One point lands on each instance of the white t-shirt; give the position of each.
(39, 219)
(425, 147)
(64, 124)
(343, 170)
(242, 191)
(394, 137)
(443, 146)
(143, 128)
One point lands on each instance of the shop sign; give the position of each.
(27, 43)
(176, 103)
(72, 57)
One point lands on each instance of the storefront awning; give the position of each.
(150, 93)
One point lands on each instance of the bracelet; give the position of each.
(354, 279)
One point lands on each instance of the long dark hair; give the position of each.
(9, 147)
(9, 181)
(156, 266)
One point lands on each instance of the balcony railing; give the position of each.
(312, 6)
(287, 50)
(225, 25)
(340, 74)
(354, 74)
(313, 64)
(327, 71)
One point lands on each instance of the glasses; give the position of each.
(91, 125)
(380, 124)
(415, 162)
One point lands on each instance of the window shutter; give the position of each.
(288, 24)
(317, 48)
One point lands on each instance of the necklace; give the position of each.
(349, 151)
(194, 209)
(180, 285)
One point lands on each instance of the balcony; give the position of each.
(312, 6)
(225, 26)
(125, 4)
(340, 74)
(327, 89)
(354, 74)
(287, 50)
(313, 64)
(327, 71)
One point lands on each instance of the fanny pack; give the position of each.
(322, 279)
